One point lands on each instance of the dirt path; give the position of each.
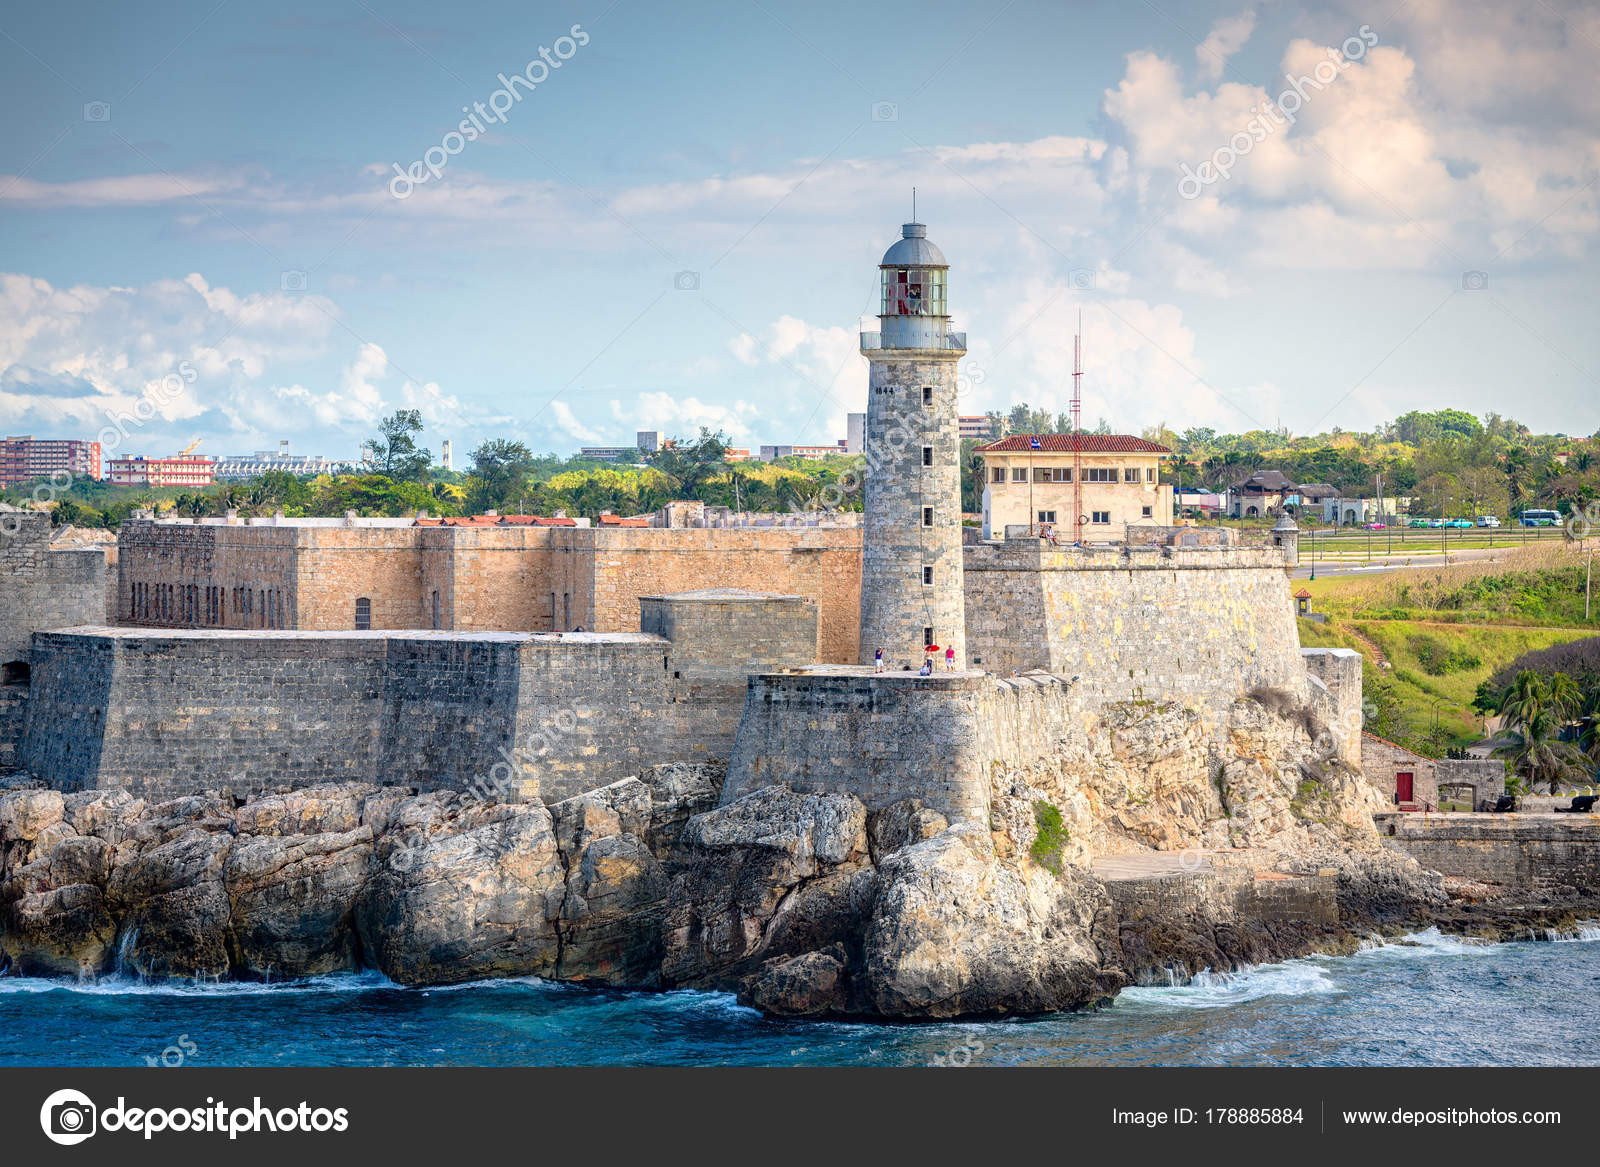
(1378, 656)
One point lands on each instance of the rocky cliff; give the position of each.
(805, 904)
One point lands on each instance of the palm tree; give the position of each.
(1564, 697)
(1589, 727)
(1537, 752)
(1535, 711)
(1515, 466)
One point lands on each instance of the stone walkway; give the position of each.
(1149, 864)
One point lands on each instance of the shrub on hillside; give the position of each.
(1579, 659)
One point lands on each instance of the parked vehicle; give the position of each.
(1467, 523)
(1435, 522)
(1417, 523)
(1540, 519)
(1488, 521)
(1376, 527)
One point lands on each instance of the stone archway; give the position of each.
(1458, 796)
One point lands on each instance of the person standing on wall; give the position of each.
(950, 659)
(877, 661)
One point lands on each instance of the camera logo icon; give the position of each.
(68, 1117)
(1474, 281)
(1081, 279)
(885, 111)
(97, 111)
(687, 281)
(292, 281)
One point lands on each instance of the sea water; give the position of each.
(1426, 1000)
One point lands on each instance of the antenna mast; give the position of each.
(1077, 432)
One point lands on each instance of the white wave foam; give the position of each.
(119, 985)
(1582, 934)
(1210, 990)
(1429, 942)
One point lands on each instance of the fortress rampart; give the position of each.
(165, 713)
(311, 576)
(885, 737)
(1540, 852)
(42, 586)
(1199, 625)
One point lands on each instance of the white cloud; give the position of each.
(569, 424)
(676, 416)
(1227, 37)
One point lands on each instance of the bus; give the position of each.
(1540, 519)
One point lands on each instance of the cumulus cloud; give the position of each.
(818, 370)
(1226, 38)
(569, 424)
(182, 356)
(683, 416)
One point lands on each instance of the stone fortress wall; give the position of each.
(309, 574)
(42, 586)
(171, 712)
(1542, 852)
(892, 736)
(1199, 625)
(243, 708)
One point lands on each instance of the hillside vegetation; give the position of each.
(1445, 631)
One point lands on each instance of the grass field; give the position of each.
(1445, 630)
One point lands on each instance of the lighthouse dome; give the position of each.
(913, 249)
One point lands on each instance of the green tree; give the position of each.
(1515, 467)
(1535, 710)
(499, 478)
(690, 464)
(395, 451)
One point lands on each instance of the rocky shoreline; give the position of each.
(805, 905)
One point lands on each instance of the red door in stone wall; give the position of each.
(1402, 786)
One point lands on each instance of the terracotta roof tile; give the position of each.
(1065, 443)
(496, 521)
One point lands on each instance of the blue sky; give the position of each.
(224, 225)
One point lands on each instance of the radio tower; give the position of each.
(1077, 432)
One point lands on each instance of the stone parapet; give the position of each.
(1537, 851)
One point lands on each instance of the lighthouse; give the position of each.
(911, 538)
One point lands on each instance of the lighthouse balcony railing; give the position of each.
(874, 340)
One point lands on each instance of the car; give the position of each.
(1376, 527)
(1459, 523)
(1435, 522)
(1417, 523)
(1488, 521)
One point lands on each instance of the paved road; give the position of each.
(1395, 563)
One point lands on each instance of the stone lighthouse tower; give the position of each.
(911, 539)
